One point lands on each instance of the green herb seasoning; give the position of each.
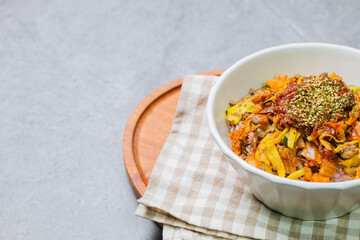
(318, 100)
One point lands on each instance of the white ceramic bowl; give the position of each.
(304, 200)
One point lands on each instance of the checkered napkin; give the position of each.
(196, 194)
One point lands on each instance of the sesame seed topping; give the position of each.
(315, 101)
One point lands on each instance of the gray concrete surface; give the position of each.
(71, 72)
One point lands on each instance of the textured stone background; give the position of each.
(72, 71)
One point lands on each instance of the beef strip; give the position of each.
(252, 91)
(250, 143)
(323, 75)
(232, 103)
(296, 76)
(340, 176)
(245, 115)
(260, 133)
(349, 151)
(256, 119)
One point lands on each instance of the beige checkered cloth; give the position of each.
(196, 194)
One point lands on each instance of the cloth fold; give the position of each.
(196, 194)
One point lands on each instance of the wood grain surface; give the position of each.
(147, 130)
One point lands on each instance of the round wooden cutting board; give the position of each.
(147, 130)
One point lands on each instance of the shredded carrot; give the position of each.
(334, 76)
(316, 177)
(308, 174)
(327, 169)
(278, 83)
